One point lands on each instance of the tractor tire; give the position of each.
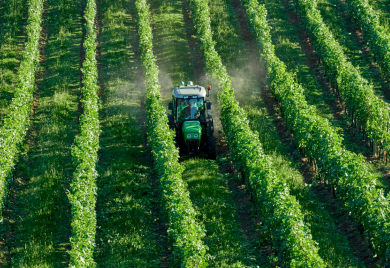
(212, 147)
(170, 121)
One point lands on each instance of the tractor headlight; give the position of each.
(196, 135)
(188, 135)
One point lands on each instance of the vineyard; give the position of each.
(92, 174)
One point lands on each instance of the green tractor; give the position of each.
(191, 119)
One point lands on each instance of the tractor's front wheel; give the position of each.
(212, 147)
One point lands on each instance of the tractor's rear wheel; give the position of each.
(170, 121)
(212, 147)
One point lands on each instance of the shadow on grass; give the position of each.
(171, 46)
(216, 211)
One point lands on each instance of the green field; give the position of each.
(89, 172)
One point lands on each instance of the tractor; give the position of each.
(191, 119)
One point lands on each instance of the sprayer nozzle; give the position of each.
(209, 87)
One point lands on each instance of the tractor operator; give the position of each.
(184, 111)
(180, 107)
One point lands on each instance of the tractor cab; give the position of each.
(191, 118)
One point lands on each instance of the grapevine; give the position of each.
(82, 194)
(375, 37)
(281, 211)
(184, 231)
(357, 93)
(346, 170)
(17, 122)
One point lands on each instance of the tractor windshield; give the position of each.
(190, 109)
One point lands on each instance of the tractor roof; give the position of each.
(180, 92)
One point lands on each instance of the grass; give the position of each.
(212, 199)
(248, 82)
(225, 33)
(12, 38)
(42, 228)
(171, 46)
(125, 235)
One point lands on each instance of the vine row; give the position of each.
(185, 233)
(359, 97)
(17, 122)
(284, 221)
(82, 195)
(375, 37)
(345, 170)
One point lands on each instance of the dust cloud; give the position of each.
(167, 86)
(247, 80)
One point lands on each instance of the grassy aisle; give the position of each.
(208, 188)
(42, 225)
(209, 194)
(12, 38)
(171, 45)
(125, 236)
(249, 81)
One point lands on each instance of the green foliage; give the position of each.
(184, 232)
(280, 210)
(82, 194)
(376, 37)
(347, 171)
(11, 37)
(357, 93)
(16, 124)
